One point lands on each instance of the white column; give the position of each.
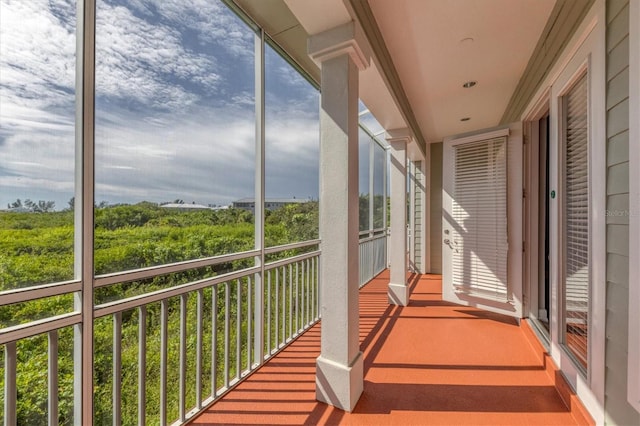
(398, 289)
(339, 368)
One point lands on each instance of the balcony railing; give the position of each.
(191, 342)
(373, 254)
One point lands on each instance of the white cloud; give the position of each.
(212, 20)
(208, 158)
(146, 62)
(174, 117)
(37, 66)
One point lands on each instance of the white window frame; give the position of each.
(586, 48)
(633, 373)
(561, 119)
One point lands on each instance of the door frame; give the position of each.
(531, 209)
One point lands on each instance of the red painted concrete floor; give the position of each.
(431, 362)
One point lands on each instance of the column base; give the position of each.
(398, 294)
(339, 385)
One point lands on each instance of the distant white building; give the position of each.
(185, 206)
(20, 209)
(269, 203)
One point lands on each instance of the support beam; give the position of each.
(398, 289)
(339, 368)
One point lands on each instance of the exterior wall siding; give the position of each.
(617, 410)
(435, 206)
(418, 217)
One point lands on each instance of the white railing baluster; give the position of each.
(227, 305)
(10, 390)
(318, 288)
(142, 365)
(52, 378)
(268, 336)
(238, 328)
(290, 301)
(164, 313)
(313, 289)
(277, 303)
(117, 369)
(284, 305)
(182, 385)
(214, 341)
(306, 310)
(199, 349)
(303, 315)
(249, 324)
(297, 299)
(308, 290)
(294, 289)
(316, 293)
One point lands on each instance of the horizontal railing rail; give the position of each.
(303, 244)
(155, 271)
(25, 294)
(34, 328)
(158, 295)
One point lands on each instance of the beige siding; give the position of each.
(435, 206)
(617, 410)
(418, 217)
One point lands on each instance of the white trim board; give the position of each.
(633, 391)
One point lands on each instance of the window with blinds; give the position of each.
(575, 294)
(479, 238)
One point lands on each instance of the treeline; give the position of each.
(40, 206)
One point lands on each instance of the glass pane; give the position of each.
(292, 138)
(364, 147)
(369, 121)
(175, 132)
(37, 141)
(379, 163)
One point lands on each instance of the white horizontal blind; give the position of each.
(576, 221)
(479, 237)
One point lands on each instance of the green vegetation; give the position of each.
(378, 211)
(37, 247)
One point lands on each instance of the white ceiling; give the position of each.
(424, 38)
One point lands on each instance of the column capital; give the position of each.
(400, 135)
(346, 39)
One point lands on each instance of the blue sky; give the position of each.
(174, 105)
